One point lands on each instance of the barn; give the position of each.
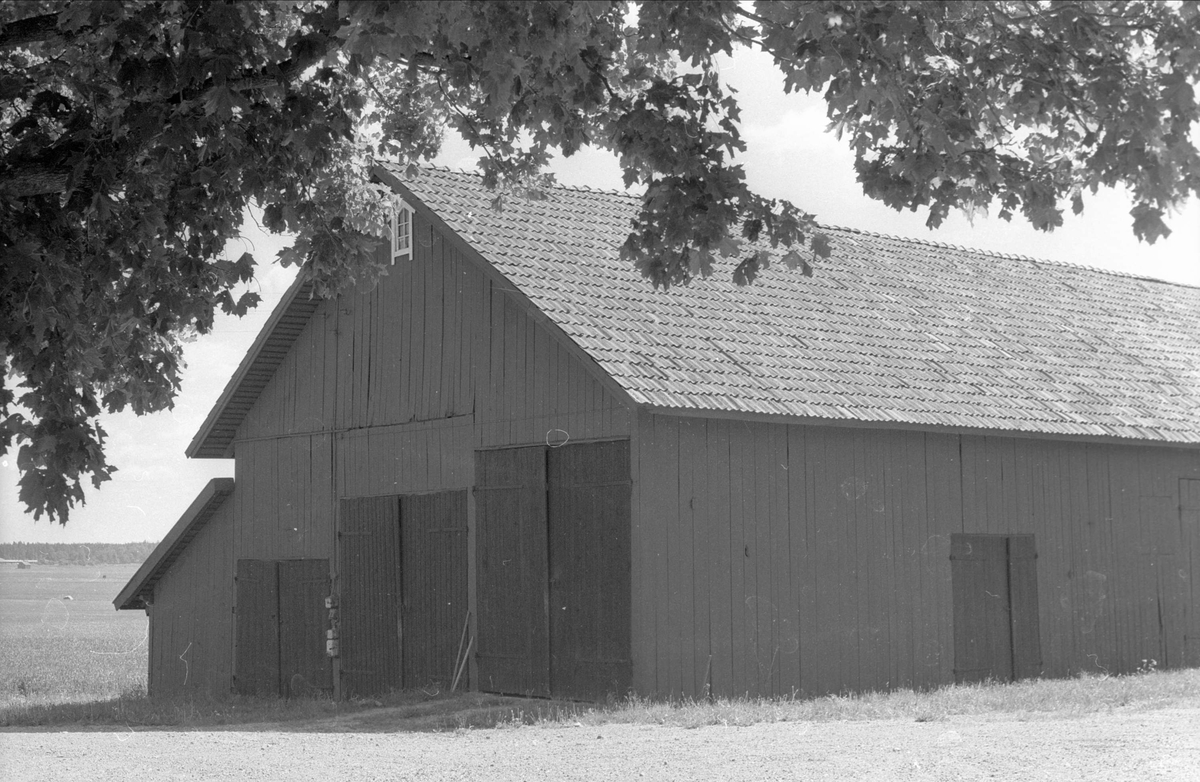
(513, 463)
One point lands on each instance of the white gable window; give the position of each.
(402, 230)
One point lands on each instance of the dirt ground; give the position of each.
(1149, 745)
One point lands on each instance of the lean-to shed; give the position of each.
(515, 459)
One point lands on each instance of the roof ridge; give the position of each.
(1008, 255)
(866, 232)
(556, 185)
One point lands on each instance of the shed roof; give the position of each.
(888, 331)
(139, 592)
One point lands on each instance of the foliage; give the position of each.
(133, 135)
(79, 553)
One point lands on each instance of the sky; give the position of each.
(789, 155)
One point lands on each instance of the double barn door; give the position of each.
(553, 559)
(281, 627)
(403, 590)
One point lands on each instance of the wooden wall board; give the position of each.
(675, 616)
(720, 566)
(785, 608)
(696, 531)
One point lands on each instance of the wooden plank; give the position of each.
(766, 644)
(641, 575)
(1131, 574)
(942, 457)
(468, 318)
(696, 532)
(839, 448)
(895, 581)
(785, 674)
(718, 480)
(431, 387)
(510, 506)
(671, 619)
(741, 629)
(821, 662)
(803, 582)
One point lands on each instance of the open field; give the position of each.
(61, 641)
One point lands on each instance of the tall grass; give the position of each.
(1032, 699)
(422, 711)
(62, 642)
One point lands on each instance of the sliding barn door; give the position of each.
(553, 557)
(369, 579)
(510, 511)
(589, 522)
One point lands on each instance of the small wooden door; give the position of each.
(280, 627)
(510, 519)
(370, 590)
(994, 584)
(589, 522)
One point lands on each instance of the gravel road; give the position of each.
(1139, 746)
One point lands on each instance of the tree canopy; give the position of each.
(134, 135)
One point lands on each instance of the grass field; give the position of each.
(61, 640)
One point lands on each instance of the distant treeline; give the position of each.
(79, 553)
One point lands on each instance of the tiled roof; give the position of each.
(888, 330)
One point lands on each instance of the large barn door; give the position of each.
(304, 668)
(369, 583)
(256, 663)
(510, 512)
(589, 522)
(994, 584)
(433, 530)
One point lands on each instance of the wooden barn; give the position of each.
(513, 462)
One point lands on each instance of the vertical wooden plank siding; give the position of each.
(867, 517)
(370, 591)
(433, 339)
(191, 619)
(510, 521)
